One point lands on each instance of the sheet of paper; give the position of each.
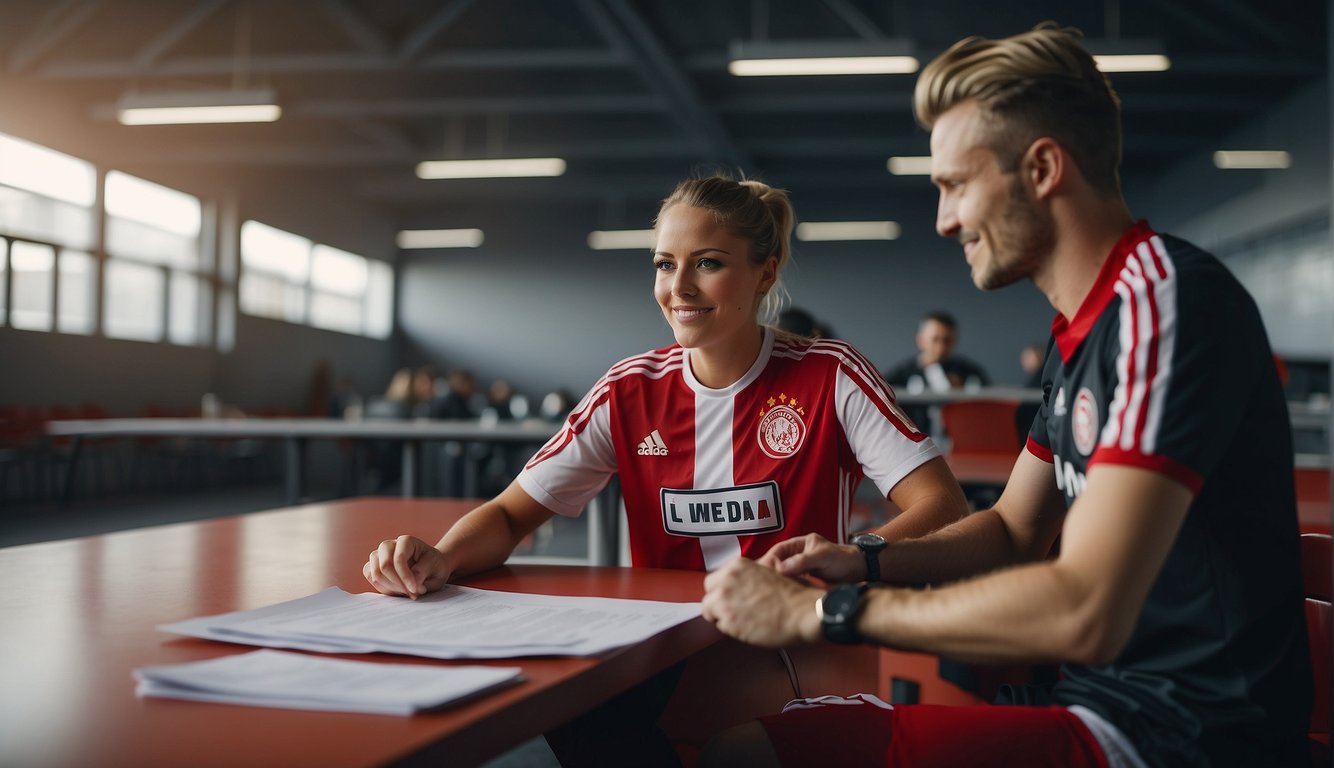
(295, 681)
(456, 622)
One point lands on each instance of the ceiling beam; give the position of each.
(362, 34)
(634, 39)
(610, 103)
(339, 63)
(426, 32)
(150, 53)
(57, 24)
(855, 19)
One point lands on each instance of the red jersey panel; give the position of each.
(710, 474)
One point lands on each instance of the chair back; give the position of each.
(981, 426)
(1316, 575)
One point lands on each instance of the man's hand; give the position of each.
(407, 567)
(814, 555)
(757, 606)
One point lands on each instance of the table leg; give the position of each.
(604, 526)
(71, 471)
(410, 468)
(296, 469)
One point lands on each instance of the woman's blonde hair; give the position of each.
(753, 211)
(1034, 84)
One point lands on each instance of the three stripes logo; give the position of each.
(653, 445)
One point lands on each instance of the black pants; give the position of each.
(623, 731)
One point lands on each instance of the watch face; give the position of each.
(841, 602)
(872, 541)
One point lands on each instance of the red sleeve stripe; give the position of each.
(1147, 287)
(652, 365)
(1039, 450)
(855, 362)
(1159, 464)
(574, 424)
(862, 373)
(656, 358)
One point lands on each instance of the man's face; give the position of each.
(1005, 234)
(935, 341)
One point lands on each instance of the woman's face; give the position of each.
(707, 285)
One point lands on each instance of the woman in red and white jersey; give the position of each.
(732, 439)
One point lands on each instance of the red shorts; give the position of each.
(856, 731)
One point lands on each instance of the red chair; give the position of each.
(981, 426)
(1313, 499)
(1316, 574)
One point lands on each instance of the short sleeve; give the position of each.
(886, 442)
(1190, 350)
(578, 461)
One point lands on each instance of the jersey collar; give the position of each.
(761, 360)
(1071, 333)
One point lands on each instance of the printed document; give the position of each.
(453, 623)
(295, 681)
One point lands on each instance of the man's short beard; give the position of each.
(1029, 237)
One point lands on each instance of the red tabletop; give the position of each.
(79, 615)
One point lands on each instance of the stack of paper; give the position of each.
(294, 681)
(454, 623)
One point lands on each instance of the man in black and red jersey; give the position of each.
(1161, 455)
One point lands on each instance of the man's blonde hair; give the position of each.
(1034, 84)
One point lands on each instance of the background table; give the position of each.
(79, 615)
(296, 433)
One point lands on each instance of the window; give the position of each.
(4, 281)
(127, 314)
(33, 265)
(46, 195)
(78, 287)
(152, 228)
(288, 277)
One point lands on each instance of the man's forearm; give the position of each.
(1029, 613)
(977, 544)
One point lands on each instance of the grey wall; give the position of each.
(1270, 227)
(536, 306)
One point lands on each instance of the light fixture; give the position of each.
(906, 165)
(1236, 159)
(812, 57)
(1128, 55)
(622, 239)
(181, 107)
(491, 169)
(410, 239)
(815, 231)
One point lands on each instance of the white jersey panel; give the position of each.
(578, 471)
(886, 457)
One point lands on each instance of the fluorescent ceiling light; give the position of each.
(197, 107)
(856, 57)
(1230, 159)
(1128, 55)
(1132, 62)
(811, 231)
(910, 165)
(622, 239)
(439, 238)
(490, 169)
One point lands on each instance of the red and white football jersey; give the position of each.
(709, 474)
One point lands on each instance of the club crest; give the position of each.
(782, 429)
(1084, 422)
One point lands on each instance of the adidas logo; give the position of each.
(1059, 408)
(653, 445)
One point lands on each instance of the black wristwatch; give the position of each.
(838, 611)
(871, 545)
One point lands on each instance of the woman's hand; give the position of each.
(406, 567)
